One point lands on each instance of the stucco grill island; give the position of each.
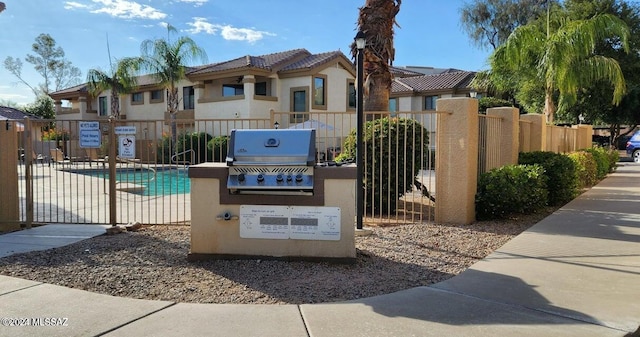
(270, 200)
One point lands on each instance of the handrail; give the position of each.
(186, 162)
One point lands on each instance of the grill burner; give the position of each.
(271, 162)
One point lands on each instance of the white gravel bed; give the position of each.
(152, 264)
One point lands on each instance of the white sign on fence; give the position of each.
(90, 135)
(125, 130)
(127, 147)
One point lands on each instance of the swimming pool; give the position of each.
(158, 181)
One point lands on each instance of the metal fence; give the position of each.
(489, 137)
(120, 171)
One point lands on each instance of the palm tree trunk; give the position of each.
(115, 104)
(376, 20)
(549, 106)
(172, 105)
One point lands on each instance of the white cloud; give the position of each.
(243, 34)
(128, 10)
(196, 3)
(74, 5)
(228, 32)
(200, 25)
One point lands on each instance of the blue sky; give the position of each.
(429, 34)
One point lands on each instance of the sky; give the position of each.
(428, 32)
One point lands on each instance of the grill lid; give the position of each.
(272, 147)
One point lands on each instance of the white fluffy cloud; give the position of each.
(228, 32)
(128, 10)
(74, 5)
(196, 3)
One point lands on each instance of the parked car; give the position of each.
(633, 147)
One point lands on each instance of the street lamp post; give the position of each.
(360, 44)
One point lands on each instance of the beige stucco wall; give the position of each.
(211, 236)
(509, 143)
(9, 211)
(538, 131)
(456, 160)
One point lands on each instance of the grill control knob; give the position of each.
(241, 177)
(260, 178)
(299, 178)
(289, 178)
(279, 178)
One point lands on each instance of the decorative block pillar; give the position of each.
(9, 207)
(456, 160)
(538, 132)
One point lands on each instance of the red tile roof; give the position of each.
(267, 62)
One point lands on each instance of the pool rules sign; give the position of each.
(126, 141)
(90, 135)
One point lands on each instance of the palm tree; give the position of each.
(565, 59)
(376, 20)
(167, 63)
(122, 80)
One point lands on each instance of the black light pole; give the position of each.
(360, 43)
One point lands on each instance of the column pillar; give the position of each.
(456, 160)
(509, 143)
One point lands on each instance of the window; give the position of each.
(102, 106)
(393, 105)
(430, 102)
(188, 98)
(351, 95)
(137, 98)
(232, 90)
(319, 92)
(156, 96)
(298, 104)
(261, 88)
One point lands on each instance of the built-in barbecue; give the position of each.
(271, 162)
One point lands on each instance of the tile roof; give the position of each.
(443, 81)
(312, 61)
(267, 62)
(403, 72)
(14, 114)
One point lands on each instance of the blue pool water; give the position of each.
(157, 181)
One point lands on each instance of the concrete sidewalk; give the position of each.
(576, 273)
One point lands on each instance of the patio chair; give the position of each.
(92, 156)
(58, 157)
(38, 158)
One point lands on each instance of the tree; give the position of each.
(50, 63)
(565, 58)
(167, 61)
(2, 7)
(9, 103)
(591, 100)
(490, 22)
(376, 20)
(122, 80)
(43, 107)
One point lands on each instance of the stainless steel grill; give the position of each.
(269, 161)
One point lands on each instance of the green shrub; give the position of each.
(218, 146)
(398, 143)
(614, 157)
(196, 141)
(586, 168)
(602, 161)
(511, 189)
(560, 170)
(165, 150)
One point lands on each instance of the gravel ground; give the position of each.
(151, 264)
